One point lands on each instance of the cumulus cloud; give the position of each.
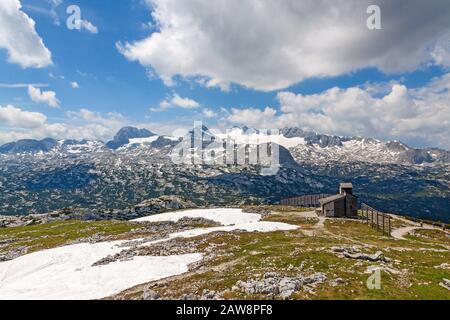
(254, 117)
(185, 103)
(13, 117)
(16, 123)
(418, 116)
(270, 45)
(19, 38)
(86, 123)
(75, 85)
(175, 101)
(208, 113)
(47, 97)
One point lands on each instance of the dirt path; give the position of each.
(315, 229)
(400, 233)
(321, 223)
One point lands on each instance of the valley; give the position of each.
(40, 177)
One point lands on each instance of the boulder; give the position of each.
(274, 285)
(445, 284)
(378, 256)
(150, 295)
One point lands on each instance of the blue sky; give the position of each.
(124, 86)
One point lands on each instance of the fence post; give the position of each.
(389, 226)
(383, 224)
(371, 217)
(378, 221)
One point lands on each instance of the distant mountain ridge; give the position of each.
(28, 145)
(305, 146)
(38, 176)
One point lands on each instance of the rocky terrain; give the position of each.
(38, 177)
(205, 254)
(145, 208)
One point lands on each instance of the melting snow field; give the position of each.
(225, 216)
(230, 219)
(67, 273)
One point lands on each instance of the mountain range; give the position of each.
(41, 176)
(305, 146)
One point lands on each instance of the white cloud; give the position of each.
(75, 85)
(88, 26)
(254, 117)
(19, 38)
(208, 113)
(53, 76)
(90, 124)
(175, 101)
(47, 97)
(185, 103)
(272, 44)
(441, 51)
(16, 123)
(84, 74)
(416, 116)
(111, 118)
(13, 117)
(22, 85)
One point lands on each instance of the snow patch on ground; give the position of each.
(231, 220)
(224, 216)
(259, 226)
(67, 273)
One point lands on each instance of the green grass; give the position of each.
(244, 256)
(292, 218)
(429, 236)
(54, 234)
(252, 254)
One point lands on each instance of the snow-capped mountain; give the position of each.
(28, 146)
(125, 134)
(319, 148)
(51, 146)
(305, 147)
(41, 176)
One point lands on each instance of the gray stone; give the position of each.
(274, 285)
(445, 284)
(378, 256)
(269, 275)
(189, 296)
(210, 295)
(150, 295)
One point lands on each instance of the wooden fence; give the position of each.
(306, 201)
(377, 220)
